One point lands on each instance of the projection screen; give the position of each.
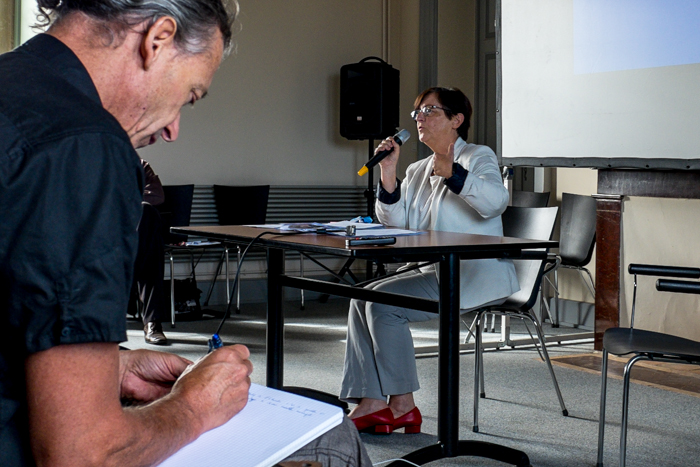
(599, 83)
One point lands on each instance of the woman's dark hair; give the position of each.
(454, 102)
(196, 19)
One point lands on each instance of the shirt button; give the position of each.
(65, 332)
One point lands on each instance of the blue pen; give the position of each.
(363, 219)
(215, 342)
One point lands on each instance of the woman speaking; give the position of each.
(456, 189)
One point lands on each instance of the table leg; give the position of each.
(448, 444)
(275, 318)
(448, 356)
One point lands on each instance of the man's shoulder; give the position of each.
(39, 105)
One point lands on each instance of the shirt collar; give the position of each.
(61, 58)
(459, 144)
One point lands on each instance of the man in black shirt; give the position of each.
(109, 76)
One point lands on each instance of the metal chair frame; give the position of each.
(660, 347)
(537, 223)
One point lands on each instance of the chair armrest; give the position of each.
(668, 271)
(667, 285)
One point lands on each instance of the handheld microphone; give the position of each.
(399, 138)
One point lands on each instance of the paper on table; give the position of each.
(302, 227)
(381, 233)
(273, 425)
(358, 225)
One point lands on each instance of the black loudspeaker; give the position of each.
(369, 99)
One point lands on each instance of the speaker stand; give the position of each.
(369, 194)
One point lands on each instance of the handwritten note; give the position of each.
(272, 426)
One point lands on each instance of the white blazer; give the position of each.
(428, 204)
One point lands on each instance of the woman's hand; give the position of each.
(442, 163)
(393, 158)
(389, 163)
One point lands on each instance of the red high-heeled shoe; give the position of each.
(380, 422)
(410, 421)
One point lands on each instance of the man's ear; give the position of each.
(157, 39)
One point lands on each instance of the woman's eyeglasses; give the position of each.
(427, 111)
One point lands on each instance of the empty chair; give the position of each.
(645, 345)
(576, 244)
(521, 199)
(175, 211)
(532, 223)
(529, 199)
(239, 205)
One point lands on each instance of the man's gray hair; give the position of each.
(196, 19)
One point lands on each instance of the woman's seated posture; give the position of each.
(457, 189)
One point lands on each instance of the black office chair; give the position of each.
(645, 345)
(239, 205)
(176, 211)
(532, 223)
(529, 199)
(576, 245)
(521, 199)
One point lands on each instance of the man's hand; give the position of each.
(442, 163)
(216, 387)
(145, 375)
(76, 419)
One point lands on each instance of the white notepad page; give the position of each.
(273, 425)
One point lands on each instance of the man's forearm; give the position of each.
(76, 418)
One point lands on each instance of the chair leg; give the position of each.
(301, 273)
(505, 329)
(237, 285)
(470, 328)
(540, 336)
(172, 290)
(478, 371)
(601, 419)
(555, 307)
(625, 406)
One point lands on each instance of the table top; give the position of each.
(423, 246)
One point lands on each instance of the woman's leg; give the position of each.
(380, 358)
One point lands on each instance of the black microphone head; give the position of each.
(402, 136)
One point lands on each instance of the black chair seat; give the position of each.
(623, 341)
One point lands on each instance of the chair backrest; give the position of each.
(577, 233)
(535, 224)
(529, 199)
(241, 205)
(175, 211)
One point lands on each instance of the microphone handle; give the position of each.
(377, 158)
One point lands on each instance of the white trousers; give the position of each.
(379, 354)
(380, 359)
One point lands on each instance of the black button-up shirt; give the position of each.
(71, 186)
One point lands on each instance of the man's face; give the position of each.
(179, 81)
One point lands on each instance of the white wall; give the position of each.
(272, 114)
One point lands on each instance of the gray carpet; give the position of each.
(520, 411)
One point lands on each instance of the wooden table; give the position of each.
(444, 248)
